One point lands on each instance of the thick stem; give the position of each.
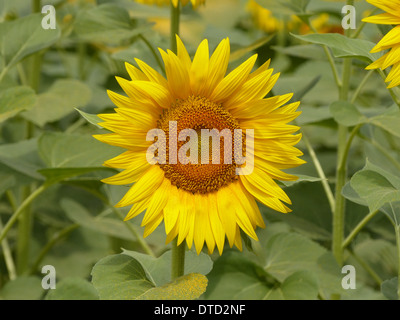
(178, 259)
(341, 171)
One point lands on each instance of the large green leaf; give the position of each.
(60, 150)
(389, 288)
(342, 46)
(121, 277)
(60, 100)
(158, 269)
(347, 114)
(374, 188)
(73, 289)
(22, 288)
(187, 287)
(24, 36)
(106, 225)
(14, 100)
(107, 23)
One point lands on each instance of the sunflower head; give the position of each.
(202, 146)
(391, 41)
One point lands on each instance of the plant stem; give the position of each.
(391, 90)
(361, 85)
(178, 259)
(321, 173)
(341, 169)
(20, 210)
(367, 268)
(175, 18)
(24, 236)
(358, 228)
(138, 237)
(55, 238)
(154, 53)
(8, 257)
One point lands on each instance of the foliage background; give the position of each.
(53, 82)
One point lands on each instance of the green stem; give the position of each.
(178, 259)
(175, 18)
(367, 268)
(358, 228)
(341, 170)
(55, 238)
(8, 257)
(138, 237)
(24, 236)
(360, 86)
(154, 53)
(20, 210)
(321, 173)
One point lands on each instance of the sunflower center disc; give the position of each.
(199, 113)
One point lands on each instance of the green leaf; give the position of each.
(187, 287)
(106, 225)
(389, 288)
(59, 101)
(388, 123)
(21, 159)
(14, 100)
(106, 23)
(287, 253)
(54, 175)
(234, 277)
(374, 188)
(73, 289)
(302, 285)
(345, 113)
(120, 277)
(61, 150)
(22, 288)
(305, 51)
(343, 47)
(91, 118)
(158, 269)
(301, 178)
(24, 36)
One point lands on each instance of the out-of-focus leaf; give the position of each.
(14, 100)
(23, 288)
(158, 269)
(343, 47)
(239, 53)
(24, 36)
(347, 114)
(389, 288)
(106, 23)
(73, 289)
(60, 100)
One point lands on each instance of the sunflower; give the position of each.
(390, 41)
(195, 3)
(206, 202)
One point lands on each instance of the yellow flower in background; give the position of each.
(263, 18)
(206, 202)
(195, 3)
(391, 41)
